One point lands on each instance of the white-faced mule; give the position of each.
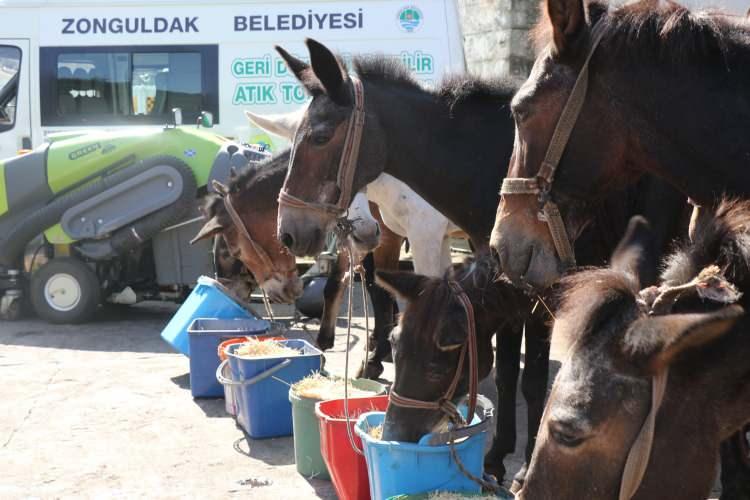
(654, 380)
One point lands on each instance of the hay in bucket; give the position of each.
(255, 348)
(376, 432)
(317, 386)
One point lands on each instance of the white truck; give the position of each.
(77, 64)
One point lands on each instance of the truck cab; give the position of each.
(15, 124)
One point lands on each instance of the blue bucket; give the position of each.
(209, 299)
(263, 407)
(205, 335)
(399, 468)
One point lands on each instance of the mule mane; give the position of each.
(722, 237)
(453, 90)
(265, 177)
(666, 32)
(589, 298)
(478, 277)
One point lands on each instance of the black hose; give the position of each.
(12, 243)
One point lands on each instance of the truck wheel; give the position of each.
(65, 290)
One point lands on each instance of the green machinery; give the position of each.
(91, 216)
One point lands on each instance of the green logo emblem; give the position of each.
(410, 18)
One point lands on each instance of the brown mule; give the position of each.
(688, 335)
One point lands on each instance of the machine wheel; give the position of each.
(65, 290)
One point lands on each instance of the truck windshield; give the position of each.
(10, 62)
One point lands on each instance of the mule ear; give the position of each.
(635, 253)
(302, 71)
(567, 20)
(282, 124)
(402, 284)
(209, 229)
(297, 66)
(654, 342)
(329, 71)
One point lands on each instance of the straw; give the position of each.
(255, 348)
(317, 386)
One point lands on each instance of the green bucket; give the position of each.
(307, 454)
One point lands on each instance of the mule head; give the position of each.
(365, 235)
(258, 212)
(594, 159)
(428, 339)
(602, 393)
(318, 144)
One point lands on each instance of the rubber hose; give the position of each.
(14, 242)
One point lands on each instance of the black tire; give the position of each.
(83, 282)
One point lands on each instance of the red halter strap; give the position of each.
(445, 403)
(347, 163)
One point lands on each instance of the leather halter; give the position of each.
(347, 163)
(269, 268)
(445, 403)
(541, 185)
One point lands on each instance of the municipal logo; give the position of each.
(410, 18)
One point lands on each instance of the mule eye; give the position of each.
(564, 436)
(320, 139)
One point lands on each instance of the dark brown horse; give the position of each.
(619, 340)
(667, 95)
(450, 145)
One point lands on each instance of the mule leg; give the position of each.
(735, 468)
(507, 367)
(385, 257)
(534, 384)
(382, 304)
(333, 294)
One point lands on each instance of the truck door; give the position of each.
(15, 115)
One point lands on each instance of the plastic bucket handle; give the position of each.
(440, 438)
(253, 380)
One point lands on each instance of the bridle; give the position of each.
(541, 185)
(268, 266)
(347, 163)
(445, 403)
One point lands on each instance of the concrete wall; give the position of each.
(496, 35)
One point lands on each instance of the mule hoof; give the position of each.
(519, 479)
(324, 343)
(495, 468)
(371, 370)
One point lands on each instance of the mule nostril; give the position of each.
(286, 240)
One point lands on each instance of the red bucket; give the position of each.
(348, 468)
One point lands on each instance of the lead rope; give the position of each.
(348, 339)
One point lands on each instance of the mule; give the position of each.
(253, 196)
(431, 331)
(450, 145)
(402, 210)
(689, 333)
(653, 61)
